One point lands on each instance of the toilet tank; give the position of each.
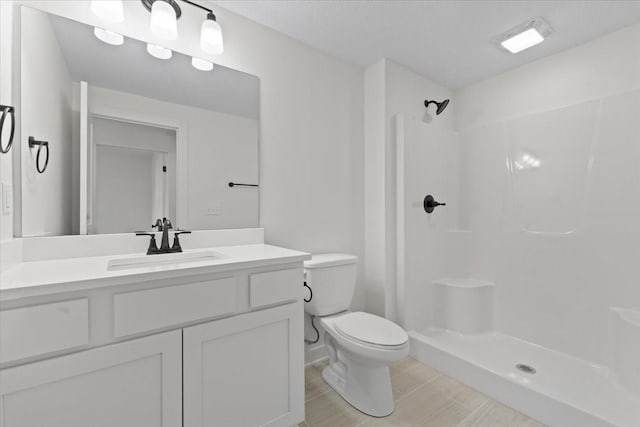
(332, 280)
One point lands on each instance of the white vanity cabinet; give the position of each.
(130, 384)
(220, 349)
(245, 370)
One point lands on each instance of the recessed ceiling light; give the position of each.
(158, 51)
(524, 36)
(108, 37)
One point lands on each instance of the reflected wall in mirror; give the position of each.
(132, 138)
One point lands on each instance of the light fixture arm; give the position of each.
(149, 3)
(200, 7)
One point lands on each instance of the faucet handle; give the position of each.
(176, 242)
(153, 246)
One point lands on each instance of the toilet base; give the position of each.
(365, 387)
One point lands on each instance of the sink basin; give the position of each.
(161, 260)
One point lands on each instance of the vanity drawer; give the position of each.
(140, 311)
(40, 329)
(274, 286)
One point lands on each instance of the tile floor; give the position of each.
(424, 397)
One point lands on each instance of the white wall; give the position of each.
(559, 240)
(375, 187)
(46, 198)
(406, 92)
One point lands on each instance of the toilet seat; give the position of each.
(371, 330)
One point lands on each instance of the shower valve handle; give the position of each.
(430, 203)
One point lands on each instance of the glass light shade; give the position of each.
(164, 23)
(109, 10)
(211, 37)
(158, 51)
(201, 64)
(108, 37)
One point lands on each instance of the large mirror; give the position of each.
(130, 138)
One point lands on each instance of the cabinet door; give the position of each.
(245, 371)
(135, 383)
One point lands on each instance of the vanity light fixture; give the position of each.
(158, 51)
(211, 35)
(164, 17)
(109, 10)
(201, 64)
(524, 36)
(108, 36)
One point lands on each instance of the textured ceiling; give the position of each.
(449, 41)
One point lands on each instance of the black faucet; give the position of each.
(166, 226)
(163, 225)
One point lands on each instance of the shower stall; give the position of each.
(526, 284)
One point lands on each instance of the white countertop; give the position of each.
(36, 278)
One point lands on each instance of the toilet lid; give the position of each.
(371, 329)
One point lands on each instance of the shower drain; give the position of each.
(526, 368)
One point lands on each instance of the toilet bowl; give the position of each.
(361, 347)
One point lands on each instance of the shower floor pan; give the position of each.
(564, 391)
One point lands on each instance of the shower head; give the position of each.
(440, 106)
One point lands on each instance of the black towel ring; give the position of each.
(32, 143)
(6, 111)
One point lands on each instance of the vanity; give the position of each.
(210, 336)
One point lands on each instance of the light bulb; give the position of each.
(109, 10)
(164, 23)
(108, 37)
(211, 36)
(158, 51)
(201, 64)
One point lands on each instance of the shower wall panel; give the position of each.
(427, 162)
(545, 205)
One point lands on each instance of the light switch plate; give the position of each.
(7, 198)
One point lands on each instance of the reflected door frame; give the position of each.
(89, 111)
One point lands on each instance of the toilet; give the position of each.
(361, 346)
